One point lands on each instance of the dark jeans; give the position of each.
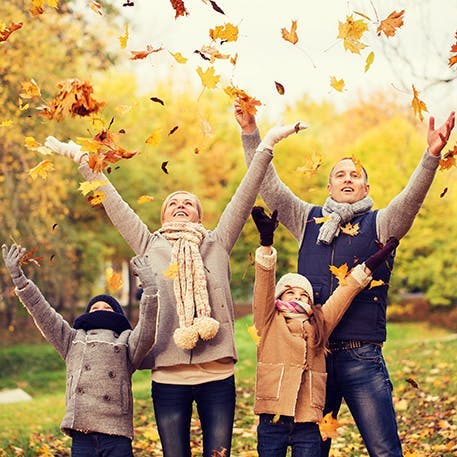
(360, 376)
(173, 411)
(100, 445)
(273, 438)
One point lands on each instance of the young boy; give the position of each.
(293, 330)
(101, 352)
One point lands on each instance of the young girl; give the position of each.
(101, 352)
(293, 330)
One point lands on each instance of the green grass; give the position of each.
(421, 361)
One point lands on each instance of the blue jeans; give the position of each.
(100, 445)
(360, 376)
(273, 438)
(173, 411)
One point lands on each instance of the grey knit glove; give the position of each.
(70, 149)
(278, 133)
(12, 257)
(142, 267)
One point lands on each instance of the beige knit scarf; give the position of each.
(190, 288)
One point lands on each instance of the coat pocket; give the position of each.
(317, 381)
(269, 380)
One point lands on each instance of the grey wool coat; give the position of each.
(99, 364)
(215, 250)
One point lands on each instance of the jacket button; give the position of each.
(112, 374)
(106, 397)
(80, 390)
(87, 367)
(116, 348)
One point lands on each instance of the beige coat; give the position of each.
(291, 376)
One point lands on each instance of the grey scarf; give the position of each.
(340, 213)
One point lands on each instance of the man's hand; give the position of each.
(70, 149)
(437, 139)
(12, 258)
(245, 120)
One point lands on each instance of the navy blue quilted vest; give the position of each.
(366, 317)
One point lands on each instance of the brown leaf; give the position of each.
(173, 130)
(418, 105)
(179, 7)
(412, 382)
(390, 25)
(164, 167)
(443, 193)
(139, 55)
(279, 88)
(7, 30)
(291, 36)
(157, 100)
(216, 7)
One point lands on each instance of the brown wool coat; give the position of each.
(291, 376)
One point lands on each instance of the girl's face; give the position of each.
(181, 207)
(295, 294)
(100, 306)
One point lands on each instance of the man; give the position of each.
(356, 367)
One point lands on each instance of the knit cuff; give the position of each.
(267, 261)
(429, 161)
(360, 276)
(151, 291)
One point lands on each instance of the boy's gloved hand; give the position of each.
(70, 149)
(12, 258)
(141, 266)
(265, 225)
(379, 257)
(278, 133)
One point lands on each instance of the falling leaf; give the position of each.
(139, 55)
(247, 103)
(124, 38)
(21, 106)
(208, 78)
(89, 186)
(340, 273)
(128, 3)
(30, 90)
(54, 226)
(173, 130)
(412, 382)
(369, 61)
(157, 100)
(448, 159)
(196, 151)
(351, 32)
(376, 283)
(418, 105)
(453, 59)
(321, 220)
(7, 123)
(390, 25)
(291, 35)
(179, 7)
(96, 7)
(154, 138)
(7, 30)
(252, 330)
(178, 57)
(276, 418)
(216, 7)
(279, 88)
(328, 427)
(96, 198)
(226, 32)
(202, 55)
(337, 84)
(164, 167)
(37, 6)
(311, 164)
(41, 170)
(144, 199)
(349, 229)
(357, 164)
(443, 193)
(172, 271)
(212, 53)
(122, 110)
(28, 258)
(115, 282)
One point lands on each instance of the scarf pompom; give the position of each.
(186, 337)
(207, 327)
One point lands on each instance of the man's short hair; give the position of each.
(348, 158)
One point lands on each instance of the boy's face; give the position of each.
(100, 306)
(295, 294)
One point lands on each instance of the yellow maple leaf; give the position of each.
(390, 25)
(340, 273)
(311, 164)
(124, 38)
(252, 330)
(369, 61)
(328, 426)
(172, 271)
(30, 143)
(226, 32)
(30, 90)
(349, 229)
(337, 84)
(89, 186)
(154, 138)
(97, 198)
(418, 105)
(208, 78)
(376, 283)
(114, 281)
(88, 144)
(144, 199)
(247, 103)
(290, 36)
(41, 170)
(321, 220)
(178, 57)
(351, 32)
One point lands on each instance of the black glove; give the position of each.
(379, 257)
(265, 225)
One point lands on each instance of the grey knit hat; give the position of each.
(290, 280)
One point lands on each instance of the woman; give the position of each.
(194, 355)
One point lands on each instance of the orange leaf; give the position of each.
(226, 32)
(376, 283)
(30, 90)
(291, 35)
(390, 25)
(340, 273)
(312, 163)
(349, 229)
(115, 281)
(328, 426)
(448, 159)
(337, 84)
(154, 138)
(7, 30)
(208, 78)
(418, 105)
(453, 59)
(27, 258)
(138, 55)
(144, 199)
(41, 170)
(248, 104)
(351, 32)
(357, 164)
(179, 7)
